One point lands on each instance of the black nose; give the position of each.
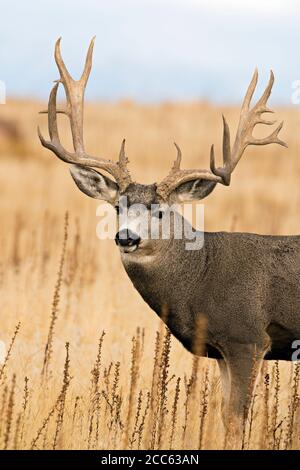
(127, 238)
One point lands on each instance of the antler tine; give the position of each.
(88, 63)
(75, 100)
(123, 160)
(52, 120)
(64, 73)
(272, 138)
(224, 172)
(54, 143)
(261, 104)
(176, 164)
(250, 92)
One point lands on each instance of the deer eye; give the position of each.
(159, 214)
(117, 209)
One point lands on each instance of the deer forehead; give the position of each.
(141, 194)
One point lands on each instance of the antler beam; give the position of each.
(75, 90)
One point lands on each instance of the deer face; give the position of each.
(136, 209)
(141, 213)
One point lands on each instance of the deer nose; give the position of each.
(126, 237)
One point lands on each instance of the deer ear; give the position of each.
(192, 190)
(94, 184)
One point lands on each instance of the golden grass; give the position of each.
(67, 384)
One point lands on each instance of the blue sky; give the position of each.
(152, 50)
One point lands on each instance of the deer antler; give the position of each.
(249, 118)
(74, 90)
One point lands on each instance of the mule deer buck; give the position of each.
(246, 286)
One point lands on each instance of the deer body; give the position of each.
(245, 286)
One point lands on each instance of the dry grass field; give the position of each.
(88, 364)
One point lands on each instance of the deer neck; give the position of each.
(164, 282)
(162, 279)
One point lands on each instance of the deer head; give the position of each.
(178, 186)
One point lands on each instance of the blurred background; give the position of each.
(152, 50)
